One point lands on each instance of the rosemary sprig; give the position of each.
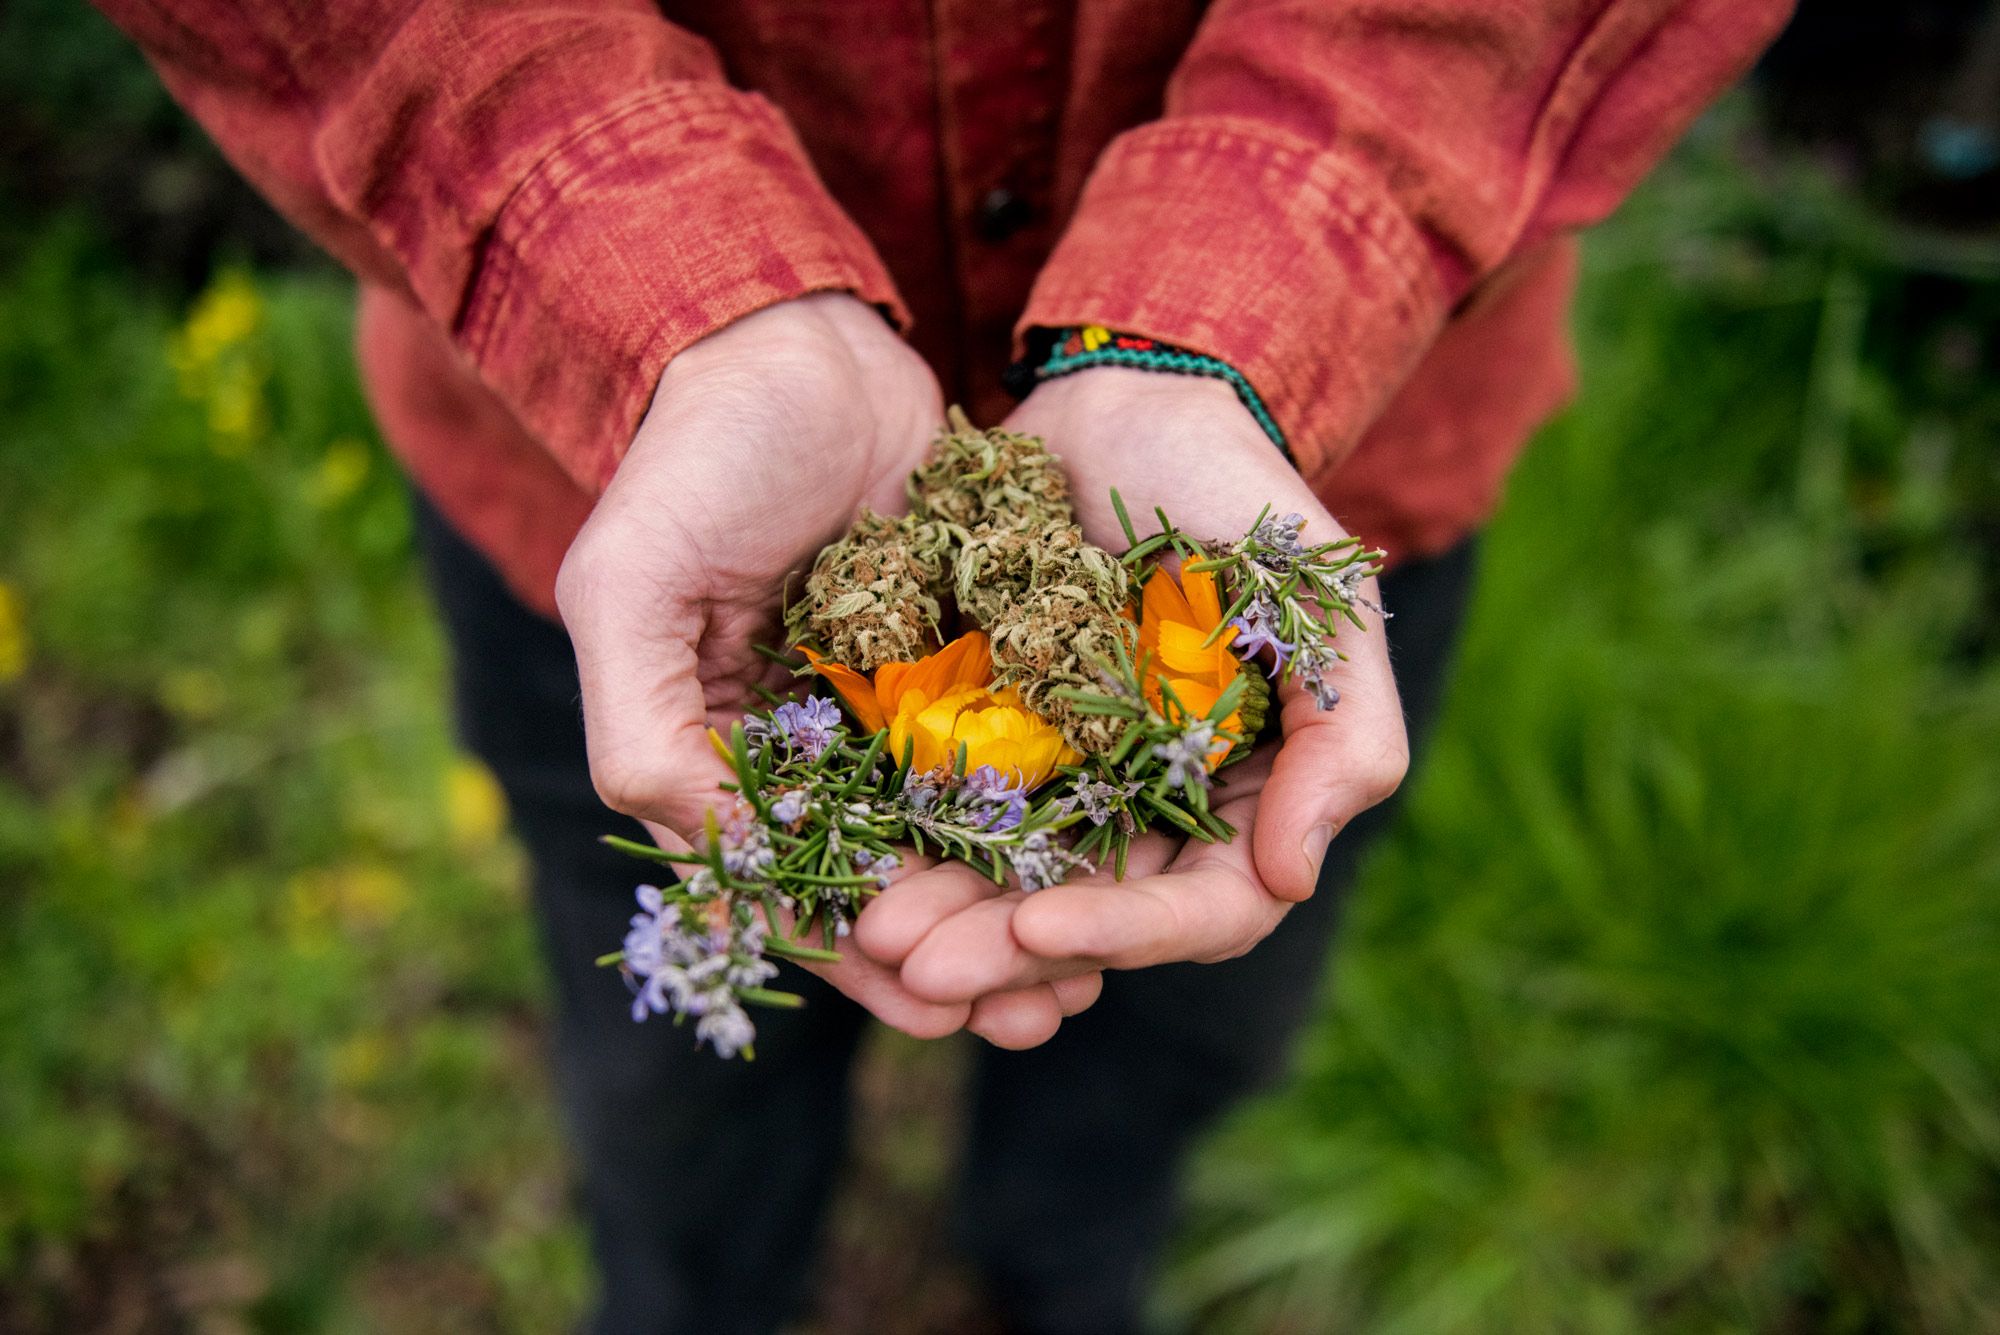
(818, 811)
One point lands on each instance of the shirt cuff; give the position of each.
(672, 215)
(1242, 242)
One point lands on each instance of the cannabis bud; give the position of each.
(874, 596)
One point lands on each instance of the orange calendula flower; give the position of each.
(947, 698)
(1176, 617)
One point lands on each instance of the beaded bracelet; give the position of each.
(1058, 352)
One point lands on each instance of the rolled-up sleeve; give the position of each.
(1328, 181)
(571, 188)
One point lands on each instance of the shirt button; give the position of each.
(1002, 213)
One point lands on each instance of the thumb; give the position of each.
(1332, 765)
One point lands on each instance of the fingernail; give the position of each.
(1317, 840)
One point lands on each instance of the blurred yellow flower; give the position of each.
(222, 319)
(235, 402)
(13, 635)
(475, 808)
(214, 355)
(994, 727)
(352, 895)
(342, 470)
(1176, 617)
(945, 700)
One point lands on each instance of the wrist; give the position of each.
(1179, 441)
(799, 336)
(1058, 354)
(1077, 408)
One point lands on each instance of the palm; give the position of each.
(750, 529)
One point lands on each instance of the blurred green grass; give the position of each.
(1669, 1007)
(268, 1009)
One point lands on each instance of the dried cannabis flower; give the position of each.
(1056, 635)
(1055, 605)
(991, 525)
(990, 477)
(995, 566)
(873, 597)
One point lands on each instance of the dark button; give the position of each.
(1001, 214)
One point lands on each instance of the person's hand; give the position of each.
(1187, 446)
(762, 441)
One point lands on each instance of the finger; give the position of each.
(1077, 995)
(879, 990)
(1333, 764)
(973, 951)
(1149, 855)
(892, 924)
(644, 714)
(1206, 915)
(1207, 907)
(667, 839)
(1015, 1020)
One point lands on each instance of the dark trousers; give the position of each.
(704, 1180)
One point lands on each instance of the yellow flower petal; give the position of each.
(1160, 602)
(1177, 618)
(946, 700)
(1198, 587)
(1182, 653)
(966, 661)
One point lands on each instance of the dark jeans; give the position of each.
(704, 1180)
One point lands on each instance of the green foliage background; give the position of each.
(1669, 1006)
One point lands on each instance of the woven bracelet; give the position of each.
(1059, 352)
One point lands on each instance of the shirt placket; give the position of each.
(1002, 75)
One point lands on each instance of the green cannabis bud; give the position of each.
(874, 596)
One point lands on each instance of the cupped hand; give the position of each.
(1189, 447)
(762, 441)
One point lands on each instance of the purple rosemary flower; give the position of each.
(790, 808)
(1278, 542)
(1257, 630)
(996, 801)
(687, 959)
(878, 865)
(920, 791)
(807, 725)
(746, 844)
(1314, 661)
(726, 1029)
(1115, 687)
(1040, 862)
(645, 943)
(1094, 797)
(1187, 755)
(744, 939)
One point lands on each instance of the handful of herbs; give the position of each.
(987, 686)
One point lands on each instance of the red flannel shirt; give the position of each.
(1363, 205)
